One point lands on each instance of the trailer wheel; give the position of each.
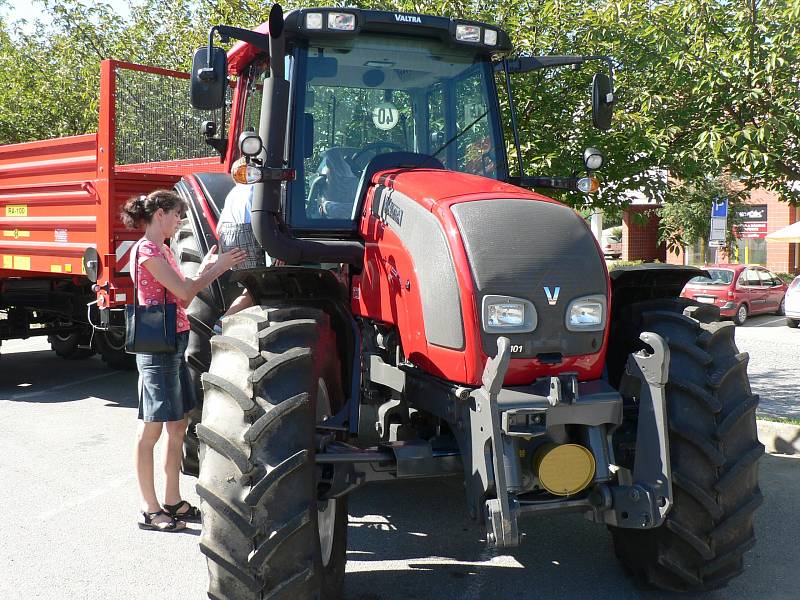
(714, 452)
(274, 372)
(67, 345)
(110, 344)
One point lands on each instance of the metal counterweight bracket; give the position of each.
(646, 502)
(501, 517)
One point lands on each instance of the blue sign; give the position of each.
(719, 208)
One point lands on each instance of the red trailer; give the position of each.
(60, 201)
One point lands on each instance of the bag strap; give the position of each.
(136, 273)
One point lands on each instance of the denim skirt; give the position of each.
(166, 392)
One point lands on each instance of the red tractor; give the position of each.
(429, 316)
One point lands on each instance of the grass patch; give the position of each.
(780, 420)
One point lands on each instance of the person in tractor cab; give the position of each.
(165, 391)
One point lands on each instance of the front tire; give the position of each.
(714, 452)
(781, 307)
(793, 323)
(263, 529)
(741, 314)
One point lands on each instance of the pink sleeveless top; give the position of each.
(150, 290)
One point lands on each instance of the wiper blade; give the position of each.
(460, 133)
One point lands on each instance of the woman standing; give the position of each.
(165, 391)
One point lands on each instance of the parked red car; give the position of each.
(739, 291)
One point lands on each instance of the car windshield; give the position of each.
(375, 94)
(718, 277)
(795, 283)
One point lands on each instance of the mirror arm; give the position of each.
(526, 64)
(558, 183)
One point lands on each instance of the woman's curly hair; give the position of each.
(139, 210)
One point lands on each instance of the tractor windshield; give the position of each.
(374, 94)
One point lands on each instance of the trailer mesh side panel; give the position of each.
(156, 124)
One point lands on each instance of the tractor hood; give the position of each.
(472, 241)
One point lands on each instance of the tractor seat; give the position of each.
(337, 178)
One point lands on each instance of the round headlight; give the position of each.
(592, 159)
(250, 144)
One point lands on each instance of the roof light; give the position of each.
(314, 20)
(490, 37)
(468, 33)
(342, 21)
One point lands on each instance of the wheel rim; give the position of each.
(742, 313)
(326, 511)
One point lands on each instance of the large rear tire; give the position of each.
(714, 452)
(202, 312)
(273, 372)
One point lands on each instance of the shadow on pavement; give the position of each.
(415, 540)
(42, 377)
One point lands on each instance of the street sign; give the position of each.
(719, 208)
(719, 222)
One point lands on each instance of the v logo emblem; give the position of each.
(552, 295)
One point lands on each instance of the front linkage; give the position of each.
(499, 416)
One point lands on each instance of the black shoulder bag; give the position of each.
(149, 329)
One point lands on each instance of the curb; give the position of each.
(779, 438)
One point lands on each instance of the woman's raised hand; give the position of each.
(231, 258)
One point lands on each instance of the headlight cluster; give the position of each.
(502, 314)
(505, 314)
(587, 314)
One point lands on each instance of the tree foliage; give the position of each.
(704, 87)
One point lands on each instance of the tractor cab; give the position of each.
(360, 97)
(330, 90)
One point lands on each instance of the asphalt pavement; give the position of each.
(773, 369)
(69, 510)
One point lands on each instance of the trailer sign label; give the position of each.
(17, 210)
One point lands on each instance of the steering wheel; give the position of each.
(371, 147)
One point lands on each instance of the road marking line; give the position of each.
(60, 387)
(768, 322)
(85, 499)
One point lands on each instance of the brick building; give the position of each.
(764, 214)
(640, 234)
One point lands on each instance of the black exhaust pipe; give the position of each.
(268, 225)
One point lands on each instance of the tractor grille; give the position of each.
(519, 247)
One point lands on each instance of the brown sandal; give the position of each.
(146, 522)
(190, 515)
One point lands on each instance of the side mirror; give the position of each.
(602, 101)
(209, 83)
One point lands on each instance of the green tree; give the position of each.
(704, 87)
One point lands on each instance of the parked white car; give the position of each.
(793, 303)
